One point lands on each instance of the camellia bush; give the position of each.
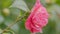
(23, 17)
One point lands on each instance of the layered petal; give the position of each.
(37, 19)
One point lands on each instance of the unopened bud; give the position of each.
(6, 11)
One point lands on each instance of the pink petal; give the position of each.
(37, 19)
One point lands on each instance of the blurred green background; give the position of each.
(11, 9)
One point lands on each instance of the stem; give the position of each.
(18, 19)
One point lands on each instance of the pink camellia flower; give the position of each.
(37, 19)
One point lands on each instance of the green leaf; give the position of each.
(22, 29)
(30, 3)
(20, 4)
(15, 28)
(50, 28)
(58, 2)
(6, 3)
(3, 26)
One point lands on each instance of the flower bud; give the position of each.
(6, 12)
